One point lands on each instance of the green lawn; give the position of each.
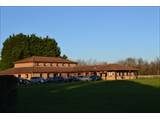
(140, 95)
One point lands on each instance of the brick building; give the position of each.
(38, 66)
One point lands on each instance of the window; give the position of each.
(53, 64)
(40, 64)
(60, 64)
(121, 73)
(117, 73)
(110, 73)
(67, 65)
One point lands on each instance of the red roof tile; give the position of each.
(93, 68)
(45, 59)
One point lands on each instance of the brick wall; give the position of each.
(17, 65)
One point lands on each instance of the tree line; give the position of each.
(145, 67)
(19, 46)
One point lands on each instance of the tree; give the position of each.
(131, 62)
(64, 56)
(88, 62)
(20, 46)
(81, 62)
(146, 68)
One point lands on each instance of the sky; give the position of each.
(99, 33)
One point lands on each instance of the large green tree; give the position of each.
(20, 46)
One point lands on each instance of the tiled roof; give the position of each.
(94, 68)
(44, 59)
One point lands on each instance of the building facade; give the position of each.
(38, 66)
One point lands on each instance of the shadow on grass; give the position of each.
(99, 96)
(8, 93)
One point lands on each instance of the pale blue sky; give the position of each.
(101, 33)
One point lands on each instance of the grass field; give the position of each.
(140, 95)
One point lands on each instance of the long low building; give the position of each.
(38, 66)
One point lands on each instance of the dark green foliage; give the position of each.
(140, 95)
(21, 46)
(65, 56)
(8, 93)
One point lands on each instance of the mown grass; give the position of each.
(140, 95)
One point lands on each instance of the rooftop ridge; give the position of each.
(45, 59)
